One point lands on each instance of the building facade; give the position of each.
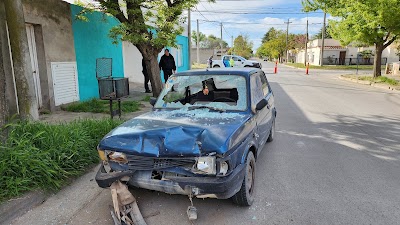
(63, 51)
(336, 54)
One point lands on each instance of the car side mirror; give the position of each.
(261, 104)
(153, 101)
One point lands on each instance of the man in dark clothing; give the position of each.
(146, 77)
(167, 64)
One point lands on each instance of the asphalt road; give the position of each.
(335, 160)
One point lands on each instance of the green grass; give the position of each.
(381, 79)
(44, 156)
(101, 106)
(199, 66)
(339, 67)
(146, 98)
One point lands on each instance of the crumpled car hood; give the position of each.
(175, 133)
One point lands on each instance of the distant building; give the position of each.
(336, 54)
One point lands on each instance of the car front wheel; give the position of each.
(245, 196)
(216, 66)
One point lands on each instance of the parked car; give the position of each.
(239, 62)
(202, 138)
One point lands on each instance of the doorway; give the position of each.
(30, 31)
(342, 58)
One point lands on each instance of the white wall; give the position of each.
(132, 63)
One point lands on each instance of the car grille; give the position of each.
(153, 163)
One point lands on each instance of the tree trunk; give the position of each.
(378, 59)
(150, 55)
(28, 106)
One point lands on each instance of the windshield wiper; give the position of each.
(206, 107)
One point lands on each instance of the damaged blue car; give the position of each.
(201, 139)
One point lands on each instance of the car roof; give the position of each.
(246, 72)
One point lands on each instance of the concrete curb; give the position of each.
(369, 83)
(15, 208)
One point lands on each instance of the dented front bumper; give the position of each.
(201, 187)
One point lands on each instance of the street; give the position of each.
(335, 160)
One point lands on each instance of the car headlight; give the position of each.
(102, 155)
(118, 157)
(206, 165)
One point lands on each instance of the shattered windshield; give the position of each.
(214, 92)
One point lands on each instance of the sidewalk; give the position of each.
(62, 206)
(136, 93)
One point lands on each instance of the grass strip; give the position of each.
(334, 67)
(44, 156)
(100, 106)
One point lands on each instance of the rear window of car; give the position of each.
(224, 92)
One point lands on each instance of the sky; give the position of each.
(253, 18)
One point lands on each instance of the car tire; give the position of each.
(216, 66)
(247, 66)
(272, 132)
(245, 196)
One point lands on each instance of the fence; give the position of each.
(352, 61)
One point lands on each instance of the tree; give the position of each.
(242, 46)
(150, 25)
(319, 34)
(202, 38)
(373, 22)
(213, 42)
(275, 46)
(297, 41)
(271, 34)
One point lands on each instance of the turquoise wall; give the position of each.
(181, 40)
(91, 42)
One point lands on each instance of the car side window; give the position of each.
(226, 58)
(257, 93)
(235, 58)
(265, 85)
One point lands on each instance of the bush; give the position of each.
(38, 155)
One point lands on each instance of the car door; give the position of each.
(262, 116)
(270, 98)
(238, 63)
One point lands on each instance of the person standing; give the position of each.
(146, 77)
(231, 62)
(210, 61)
(167, 64)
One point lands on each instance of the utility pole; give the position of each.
(287, 40)
(323, 41)
(197, 43)
(221, 37)
(189, 39)
(306, 52)
(232, 45)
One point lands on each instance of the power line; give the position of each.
(257, 13)
(258, 23)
